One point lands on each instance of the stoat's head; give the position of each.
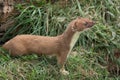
(80, 24)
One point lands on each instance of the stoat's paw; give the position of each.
(64, 72)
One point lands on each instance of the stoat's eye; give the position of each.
(86, 23)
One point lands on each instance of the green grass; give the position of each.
(51, 20)
(42, 68)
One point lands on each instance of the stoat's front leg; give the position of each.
(61, 61)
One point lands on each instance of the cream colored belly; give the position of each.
(73, 41)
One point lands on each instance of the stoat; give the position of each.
(60, 45)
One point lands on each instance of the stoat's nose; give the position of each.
(91, 24)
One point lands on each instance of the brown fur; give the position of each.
(58, 45)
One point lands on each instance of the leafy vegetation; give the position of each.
(93, 46)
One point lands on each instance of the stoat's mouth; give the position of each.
(87, 29)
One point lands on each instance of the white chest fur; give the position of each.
(73, 41)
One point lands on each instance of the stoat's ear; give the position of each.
(74, 27)
(78, 17)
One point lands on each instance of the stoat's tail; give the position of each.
(3, 50)
(4, 54)
(1, 47)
